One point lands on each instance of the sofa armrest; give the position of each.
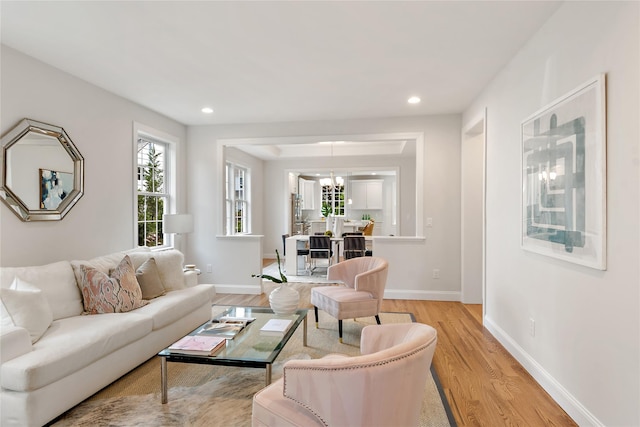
(14, 342)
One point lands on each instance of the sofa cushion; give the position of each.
(117, 292)
(71, 344)
(57, 283)
(15, 342)
(28, 308)
(176, 304)
(170, 266)
(149, 279)
(104, 264)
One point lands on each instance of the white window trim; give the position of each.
(247, 192)
(143, 131)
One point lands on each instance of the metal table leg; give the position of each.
(163, 376)
(268, 378)
(304, 332)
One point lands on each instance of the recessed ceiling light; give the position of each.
(414, 100)
(207, 110)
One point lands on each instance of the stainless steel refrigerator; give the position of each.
(297, 222)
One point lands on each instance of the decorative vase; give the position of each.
(330, 220)
(284, 299)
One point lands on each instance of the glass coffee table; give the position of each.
(249, 349)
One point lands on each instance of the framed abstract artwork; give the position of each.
(564, 177)
(54, 187)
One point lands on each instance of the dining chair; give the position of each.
(300, 252)
(354, 246)
(320, 248)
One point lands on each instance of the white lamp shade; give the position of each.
(178, 223)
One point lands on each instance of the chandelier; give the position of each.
(333, 181)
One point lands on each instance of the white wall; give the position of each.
(441, 188)
(586, 348)
(100, 124)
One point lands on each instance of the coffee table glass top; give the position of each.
(250, 346)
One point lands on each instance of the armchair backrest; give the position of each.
(363, 274)
(382, 387)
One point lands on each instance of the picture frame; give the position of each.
(564, 177)
(55, 186)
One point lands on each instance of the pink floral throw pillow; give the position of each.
(117, 292)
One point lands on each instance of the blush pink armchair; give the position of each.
(384, 386)
(360, 294)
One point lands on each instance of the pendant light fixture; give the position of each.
(333, 181)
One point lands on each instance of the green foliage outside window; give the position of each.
(151, 203)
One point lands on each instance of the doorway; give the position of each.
(473, 212)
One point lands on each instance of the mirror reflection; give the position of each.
(42, 171)
(41, 154)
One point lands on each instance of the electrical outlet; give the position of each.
(209, 268)
(429, 222)
(436, 273)
(532, 327)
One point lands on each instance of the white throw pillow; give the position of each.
(55, 280)
(28, 308)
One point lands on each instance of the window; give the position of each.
(152, 191)
(333, 195)
(237, 199)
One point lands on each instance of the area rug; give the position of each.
(202, 395)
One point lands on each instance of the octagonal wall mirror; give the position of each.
(42, 171)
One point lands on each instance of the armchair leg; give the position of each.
(315, 311)
(340, 330)
(378, 319)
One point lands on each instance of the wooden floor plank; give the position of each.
(484, 384)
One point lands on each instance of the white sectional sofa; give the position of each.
(54, 355)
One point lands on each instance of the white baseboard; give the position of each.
(422, 295)
(566, 400)
(238, 289)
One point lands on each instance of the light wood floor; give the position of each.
(484, 384)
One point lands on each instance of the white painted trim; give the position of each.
(170, 178)
(417, 136)
(566, 400)
(422, 295)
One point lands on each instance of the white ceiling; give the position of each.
(278, 61)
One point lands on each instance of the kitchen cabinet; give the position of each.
(308, 192)
(366, 194)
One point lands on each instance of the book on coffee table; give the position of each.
(198, 345)
(275, 327)
(227, 330)
(234, 319)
